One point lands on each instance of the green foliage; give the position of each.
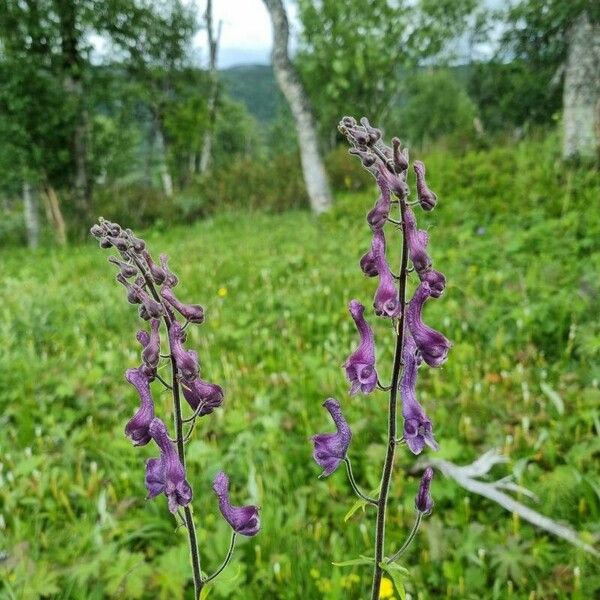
(517, 235)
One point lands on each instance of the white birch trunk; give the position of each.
(30, 214)
(581, 95)
(163, 168)
(315, 177)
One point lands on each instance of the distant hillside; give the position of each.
(254, 86)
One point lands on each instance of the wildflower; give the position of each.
(386, 300)
(243, 519)
(368, 262)
(416, 242)
(386, 588)
(360, 366)
(186, 360)
(158, 273)
(171, 279)
(137, 428)
(436, 282)
(202, 396)
(166, 473)
(378, 215)
(193, 313)
(151, 344)
(331, 448)
(427, 199)
(417, 427)
(432, 344)
(423, 500)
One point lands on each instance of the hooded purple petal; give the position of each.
(368, 262)
(186, 360)
(137, 428)
(151, 344)
(158, 273)
(171, 279)
(436, 281)
(380, 212)
(432, 344)
(170, 472)
(427, 199)
(360, 366)
(330, 448)
(193, 313)
(416, 242)
(418, 431)
(207, 396)
(386, 300)
(423, 500)
(244, 520)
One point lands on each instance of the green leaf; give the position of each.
(363, 560)
(554, 397)
(398, 575)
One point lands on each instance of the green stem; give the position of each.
(227, 558)
(355, 487)
(409, 539)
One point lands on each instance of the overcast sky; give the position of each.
(246, 33)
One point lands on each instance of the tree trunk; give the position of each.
(54, 214)
(213, 44)
(581, 96)
(30, 214)
(163, 167)
(288, 79)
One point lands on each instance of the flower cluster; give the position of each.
(150, 286)
(416, 342)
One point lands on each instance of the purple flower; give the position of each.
(360, 366)
(386, 301)
(423, 500)
(432, 344)
(400, 160)
(436, 282)
(416, 242)
(186, 360)
(417, 427)
(151, 344)
(380, 212)
(136, 295)
(137, 428)
(330, 448)
(170, 278)
(126, 269)
(368, 262)
(427, 199)
(158, 273)
(193, 313)
(243, 519)
(207, 396)
(166, 473)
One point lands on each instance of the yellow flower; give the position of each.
(386, 588)
(222, 291)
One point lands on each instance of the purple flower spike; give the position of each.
(368, 262)
(427, 199)
(330, 448)
(360, 366)
(423, 500)
(137, 428)
(166, 473)
(432, 344)
(380, 212)
(417, 427)
(436, 281)
(386, 301)
(416, 241)
(193, 313)
(202, 396)
(186, 360)
(243, 519)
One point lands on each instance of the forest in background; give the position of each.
(125, 131)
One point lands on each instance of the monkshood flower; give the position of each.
(386, 300)
(138, 427)
(243, 519)
(202, 396)
(432, 344)
(427, 199)
(171, 279)
(158, 273)
(330, 448)
(187, 360)
(166, 473)
(360, 366)
(417, 427)
(436, 282)
(368, 262)
(416, 242)
(423, 500)
(378, 216)
(151, 344)
(193, 313)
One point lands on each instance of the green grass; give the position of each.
(518, 237)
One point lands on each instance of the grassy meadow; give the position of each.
(517, 235)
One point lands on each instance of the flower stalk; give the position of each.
(415, 343)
